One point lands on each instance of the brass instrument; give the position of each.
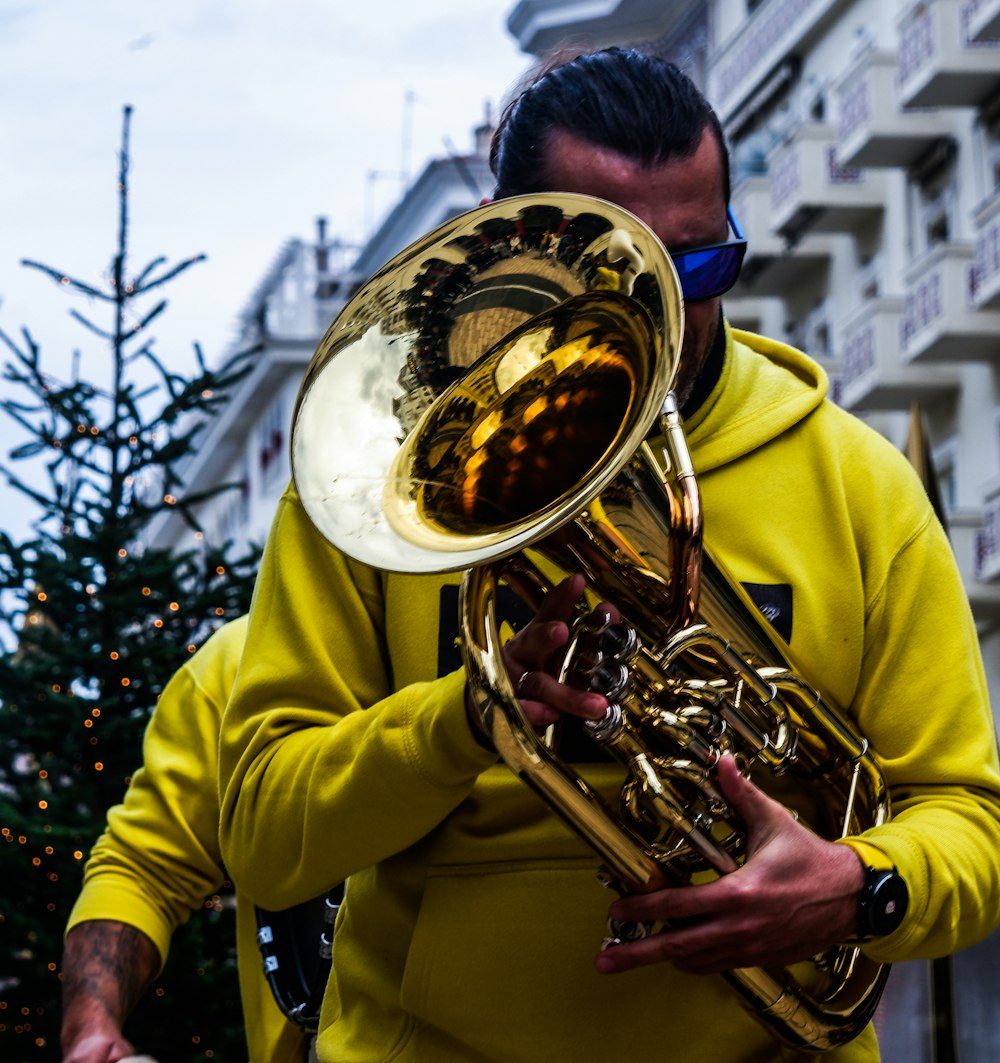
(505, 383)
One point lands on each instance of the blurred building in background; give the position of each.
(866, 168)
(866, 165)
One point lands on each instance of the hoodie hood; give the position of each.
(765, 388)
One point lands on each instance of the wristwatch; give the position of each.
(882, 904)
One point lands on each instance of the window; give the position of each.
(989, 151)
(933, 212)
(937, 226)
(812, 332)
(944, 468)
(868, 277)
(934, 199)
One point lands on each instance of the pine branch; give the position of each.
(12, 346)
(65, 281)
(138, 282)
(169, 275)
(28, 358)
(28, 490)
(101, 333)
(152, 315)
(168, 377)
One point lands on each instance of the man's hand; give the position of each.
(533, 657)
(795, 896)
(98, 1046)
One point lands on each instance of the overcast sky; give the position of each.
(251, 118)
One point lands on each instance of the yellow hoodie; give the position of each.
(473, 915)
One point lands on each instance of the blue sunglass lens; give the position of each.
(706, 274)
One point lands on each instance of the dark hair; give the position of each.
(638, 105)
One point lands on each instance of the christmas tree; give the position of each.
(92, 627)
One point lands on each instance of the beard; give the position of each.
(700, 368)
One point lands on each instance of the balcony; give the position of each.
(984, 20)
(975, 538)
(540, 25)
(986, 270)
(811, 191)
(874, 130)
(775, 30)
(987, 551)
(940, 64)
(940, 324)
(771, 265)
(872, 376)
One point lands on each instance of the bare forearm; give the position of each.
(107, 966)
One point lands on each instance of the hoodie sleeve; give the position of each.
(923, 702)
(316, 744)
(158, 858)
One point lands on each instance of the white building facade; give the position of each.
(866, 146)
(865, 138)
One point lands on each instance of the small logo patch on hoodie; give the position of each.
(774, 600)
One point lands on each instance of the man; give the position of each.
(156, 862)
(472, 917)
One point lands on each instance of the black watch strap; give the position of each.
(883, 902)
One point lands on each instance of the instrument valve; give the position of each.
(610, 679)
(712, 724)
(621, 932)
(619, 642)
(703, 822)
(609, 726)
(608, 879)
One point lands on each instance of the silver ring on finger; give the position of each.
(520, 683)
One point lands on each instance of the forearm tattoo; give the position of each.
(108, 963)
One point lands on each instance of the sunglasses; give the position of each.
(707, 272)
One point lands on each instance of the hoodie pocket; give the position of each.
(502, 958)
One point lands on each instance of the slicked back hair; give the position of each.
(638, 105)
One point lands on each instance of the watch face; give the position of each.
(884, 902)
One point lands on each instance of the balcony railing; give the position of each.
(986, 269)
(940, 322)
(874, 130)
(776, 29)
(984, 19)
(940, 64)
(812, 332)
(772, 264)
(810, 190)
(974, 538)
(872, 375)
(986, 559)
